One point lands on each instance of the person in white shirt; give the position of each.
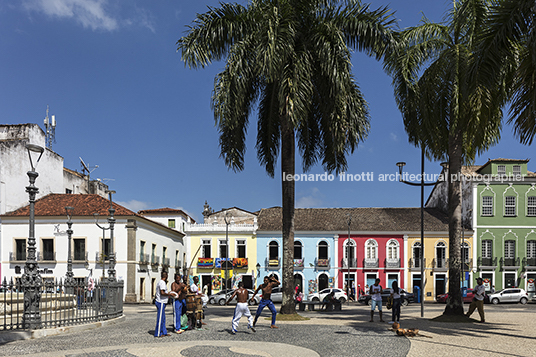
(376, 292)
(161, 299)
(478, 300)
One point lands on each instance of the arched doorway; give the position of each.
(322, 282)
(298, 281)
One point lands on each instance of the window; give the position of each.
(323, 250)
(108, 248)
(20, 246)
(501, 170)
(273, 250)
(465, 252)
(486, 249)
(509, 249)
(205, 249)
(441, 255)
(349, 253)
(68, 191)
(241, 248)
(298, 249)
(171, 223)
(142, 247)
(48, 249)
(153, 253)
(224, 252)
(531, 249)
(164, 253)
(510, 206)
(517, 170)
(487, 205)
(531, 206)
(417, 254)
(371, 248)
(79, 249)
(392, 250)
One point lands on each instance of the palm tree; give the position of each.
(508, 46)
(445, 112)
(292, 59)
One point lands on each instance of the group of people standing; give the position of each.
(179, 290)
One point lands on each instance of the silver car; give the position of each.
(222, 298)
(277, 295)
(509, 295)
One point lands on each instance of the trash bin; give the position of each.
(464, 291)
(417, 294)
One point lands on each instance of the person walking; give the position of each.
(161, 299)
(269, 284)
(397, 302)
(241, 309)
(478, 300)
(179, 302)
(376, 292)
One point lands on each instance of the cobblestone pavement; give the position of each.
(507, 332)
(326, 334)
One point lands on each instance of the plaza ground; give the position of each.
(508, 332)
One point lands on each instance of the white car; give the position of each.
(509, 295)
(277, 295)
(339, 295)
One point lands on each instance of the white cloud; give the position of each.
(93, 14)
(394, 137)
(313, 199)
(135, 205)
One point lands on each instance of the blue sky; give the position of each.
(124, 101)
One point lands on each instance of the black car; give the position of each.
(405, 297)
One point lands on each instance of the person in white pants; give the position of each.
(241, 309)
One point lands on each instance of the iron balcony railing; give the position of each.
(323, 263)
(273, 263)
(440, 263)
(178, 264)
(299, 263)
(155, 260)
(487, 262)
(17, 257)
(60, 304)
(144, 259)
(392, 263)
(165, 262)
(416, 263)
(46, 256)
(370, 263)
(348, 263)
(529, 262)
(510, 262)
(80, 257)
(100, 256)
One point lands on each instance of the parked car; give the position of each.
(467, 299)
(277, 295)
(212, 299)
(220, 299)
(405, 297)
(509, 295)
(339, 295)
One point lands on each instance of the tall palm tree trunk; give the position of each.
(288, 189)
(454, 302)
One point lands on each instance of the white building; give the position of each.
(143, 247)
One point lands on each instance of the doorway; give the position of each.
(298, 281)
(142, 289)
(248, 281)
(206, 280)
(322, 282)
(390, 279)
(509, 280)
(440, 284)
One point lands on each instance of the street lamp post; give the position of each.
(69, 276)
(348, 260)
(226, 219)
(421, 184)
(111, 223)
(31, 279)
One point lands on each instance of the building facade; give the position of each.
(141, 246)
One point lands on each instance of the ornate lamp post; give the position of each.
(421, 184)
(31, 280)
(348, 260)
(69, 280)
(111, 223)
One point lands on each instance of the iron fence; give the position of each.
(62, 304)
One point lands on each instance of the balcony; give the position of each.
(467, 265)
(80, 257)
(348, 263)
(102, 256)
(487, 263)
(223, 263)
(144, 259)
(46, 257)
(392, 263)
(299, 264)
(165, 262)
(240, 263)
(17, 257)
(155, 260)
(440, 264)
(273, 263)
(371, 263)
(323, 264)
(529, 263)
(416, 263)
(178, 264)
(510, 263)
(205, 263)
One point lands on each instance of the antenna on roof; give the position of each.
(50, 128)
(87, 171)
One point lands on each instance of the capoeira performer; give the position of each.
(161, 299)
(179, 302)
(266, 300)
(241, 308)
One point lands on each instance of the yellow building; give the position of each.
(436, 262)
(223, 249)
